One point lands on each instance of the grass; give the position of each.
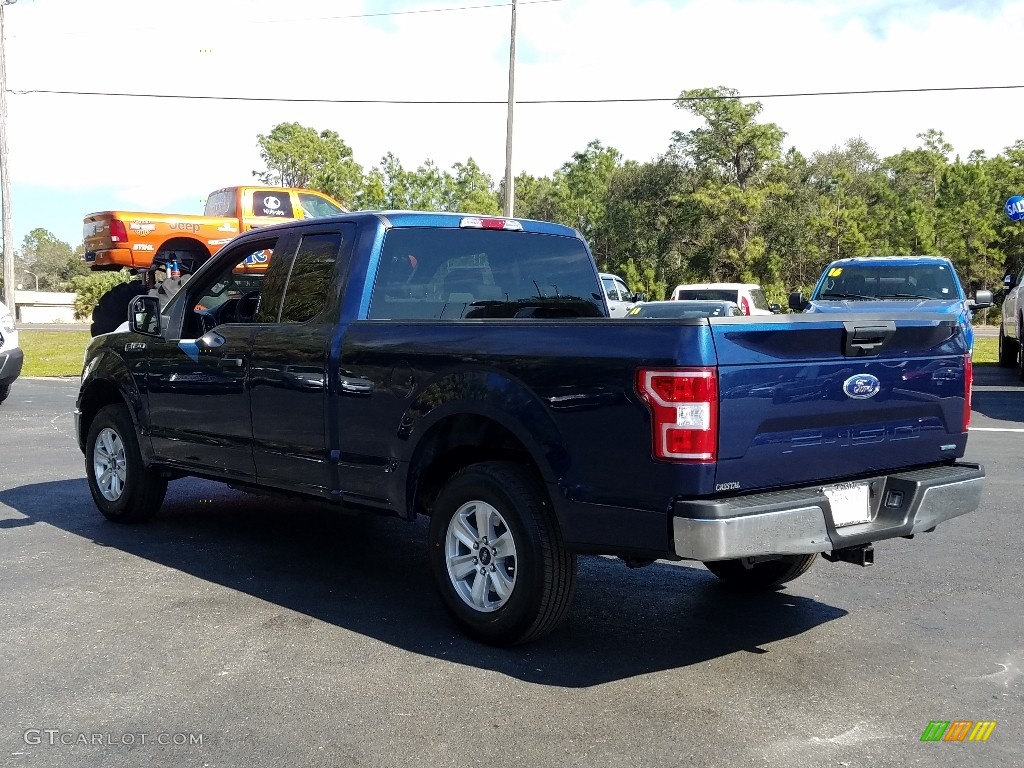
(53, 353)
(986, 350)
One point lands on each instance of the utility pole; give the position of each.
(5, 176)
(510, 182)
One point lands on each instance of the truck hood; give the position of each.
(938, 306)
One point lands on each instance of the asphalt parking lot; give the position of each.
(237, 631)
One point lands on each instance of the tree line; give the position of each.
(726, 201)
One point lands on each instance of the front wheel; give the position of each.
(124, 489)
(497, 554)
(1007, 349)
(5, 390)
(748, 574)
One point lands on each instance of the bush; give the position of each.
(89, 288)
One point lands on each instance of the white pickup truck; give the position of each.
(620, 299)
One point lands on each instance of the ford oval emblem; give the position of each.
(862, 386)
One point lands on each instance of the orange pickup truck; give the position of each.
(117, 239)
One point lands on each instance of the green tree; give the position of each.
(471, 190)
(732, 154)
(582, 185)
(298, 156)
(50, 260)
(967, 222)
(536, 197)
(647, 232)
(907, 211)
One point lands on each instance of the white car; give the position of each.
(620, 299)
(10, 352)
(747, 296)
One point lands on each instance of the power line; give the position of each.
(473, 102)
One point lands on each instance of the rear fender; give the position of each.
(489, 395)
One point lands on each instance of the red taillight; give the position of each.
(968, 381)
(684, 410)
(118, 233)
(744, 305)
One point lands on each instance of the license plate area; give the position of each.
(850, 503)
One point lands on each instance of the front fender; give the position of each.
(107, 376)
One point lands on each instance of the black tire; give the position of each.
(765, 575)
(542, 570)
(5, 390)
(112, 308)
(1008, 349)
(142, 491)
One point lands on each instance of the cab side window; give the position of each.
(234, 292)
(312, 272)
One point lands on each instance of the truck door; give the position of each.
(199, 377)
(290, 357)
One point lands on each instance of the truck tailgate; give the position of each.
(807, 398)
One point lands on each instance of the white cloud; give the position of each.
(160, 150)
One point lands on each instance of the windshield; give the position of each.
(866, 282)
(472, 273)
(316, 207)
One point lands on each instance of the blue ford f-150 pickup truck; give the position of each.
(465, 368)
(894, 284)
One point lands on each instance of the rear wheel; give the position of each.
(124, 489)
(497, 555)
(112, 308)
(1008, 349)
(745, 573)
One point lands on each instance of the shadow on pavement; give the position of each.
(369, 574)
(1003, 405)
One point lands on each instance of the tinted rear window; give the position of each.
(471, 273)
(665, 309)
(709, 294)
(221, 204)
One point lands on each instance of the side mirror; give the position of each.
(797, 301)
(1009, 281)
(775, 308)
(144, 315)
(982, 299)
(639, 296)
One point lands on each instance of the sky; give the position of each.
(71, 155)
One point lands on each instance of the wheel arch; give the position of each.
(108, 382)
(461, 434)
(455, 441)
(188, 245)
(474, 415)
